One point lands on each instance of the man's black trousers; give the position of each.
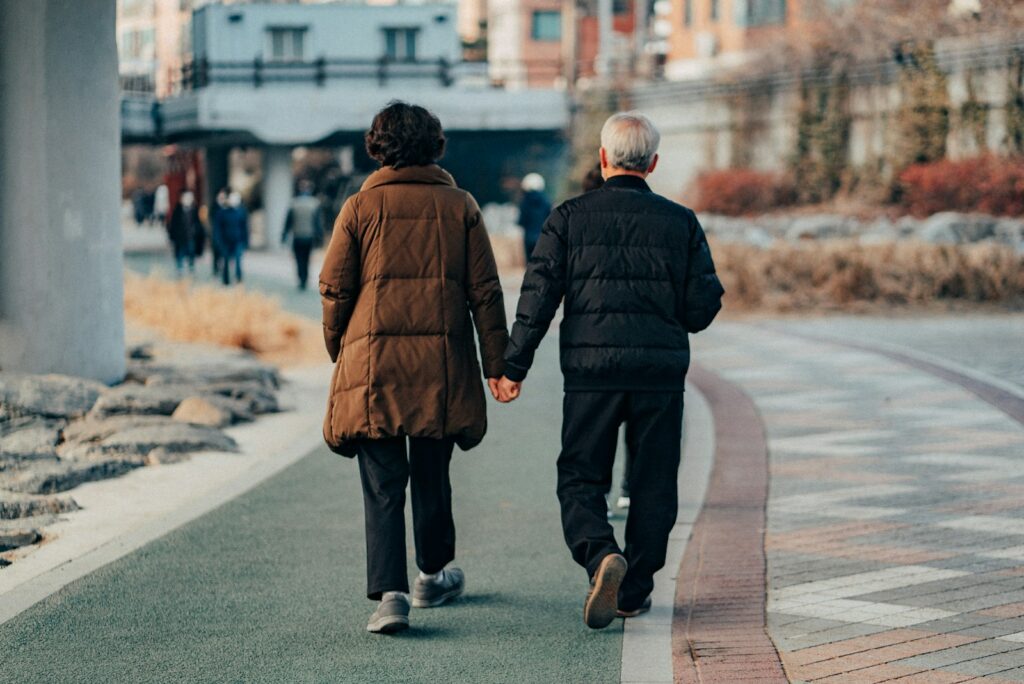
(590, 430)
(385, 468)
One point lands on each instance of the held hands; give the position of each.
(504, 390)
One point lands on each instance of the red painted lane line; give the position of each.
(718, 625)
(1007, 402)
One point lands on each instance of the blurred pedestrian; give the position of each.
(637, 277)
(220, 203)
(408, 272)
(303, 225)
(161, 204)
(534, 208)
(186, 232)
(231, 233)
(593, 179)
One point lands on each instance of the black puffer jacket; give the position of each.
(637, 276)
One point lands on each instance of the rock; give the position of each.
(4, 562)
(36, 440)
(1011, 232)
(15, 505)
(142, 400)
(879, 231)
(758, 237)
(950, 227)
(907, 226)
(820, 227)
(95, 429)
(257, 398)
(51, 396)
(17, 538)
(200, 411)
(61, 476)
(173, 437)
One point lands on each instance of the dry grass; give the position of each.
(230, 318)
(845, 275)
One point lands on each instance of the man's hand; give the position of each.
(504, 390)
(508, 390)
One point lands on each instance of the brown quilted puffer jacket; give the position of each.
(408, 264)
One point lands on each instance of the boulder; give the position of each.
(36, 439)
(173, 437)
(879, 231)
(95, 429)
(60, 476)
(820, 227)
(16, 505)
(142, 400)
(907, 226)
(200, 411)
(51, 396)
(255, 397)
(950, 227)
(14, 539)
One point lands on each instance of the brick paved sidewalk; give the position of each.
(895, 526)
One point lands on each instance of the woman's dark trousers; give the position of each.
(590, 431)
(386, 466)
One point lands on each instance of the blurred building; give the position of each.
(707, 34)
(554, 43)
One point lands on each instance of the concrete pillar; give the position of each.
(277, 190)
(604, 38)
(215, 174)
(61, 262)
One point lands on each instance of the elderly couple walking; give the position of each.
(407, 276)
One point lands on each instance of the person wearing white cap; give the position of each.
(534, 208)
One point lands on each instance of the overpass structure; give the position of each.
(321, 72)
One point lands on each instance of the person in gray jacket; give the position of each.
(303, 225)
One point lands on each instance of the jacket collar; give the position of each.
(432, 174)
(627, 182)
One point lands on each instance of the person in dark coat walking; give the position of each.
(231, 233)
(637, 277)
(186, 232)
(219, 204)
(302, 224)
(408, 275)
(534, 207)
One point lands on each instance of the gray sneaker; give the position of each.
(432, 593)
(392, 615)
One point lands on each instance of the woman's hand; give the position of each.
(504, 390)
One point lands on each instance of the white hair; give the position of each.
(533, 181)
(630, 140)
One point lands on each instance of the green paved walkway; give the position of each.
(270, 587)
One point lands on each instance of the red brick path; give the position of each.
(718, 627)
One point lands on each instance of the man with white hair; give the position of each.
(637, 277)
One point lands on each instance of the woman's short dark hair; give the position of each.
(405, 135)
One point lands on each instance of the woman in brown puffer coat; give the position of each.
(409, 264)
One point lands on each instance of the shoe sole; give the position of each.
(603, 603)
(440, 600)
(389, 625)
(632, 613)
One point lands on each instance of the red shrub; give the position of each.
(988, 184)
(737, 192)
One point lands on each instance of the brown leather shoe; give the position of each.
(640, 610)
(603, 599)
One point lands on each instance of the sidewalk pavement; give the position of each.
(895, 531)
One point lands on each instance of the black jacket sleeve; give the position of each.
(702, 294)
(543, 288)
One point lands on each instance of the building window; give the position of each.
(761, 12)
(687, 12)
(714, 10)
(547, 25)
(400, 44)
(286, 44)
